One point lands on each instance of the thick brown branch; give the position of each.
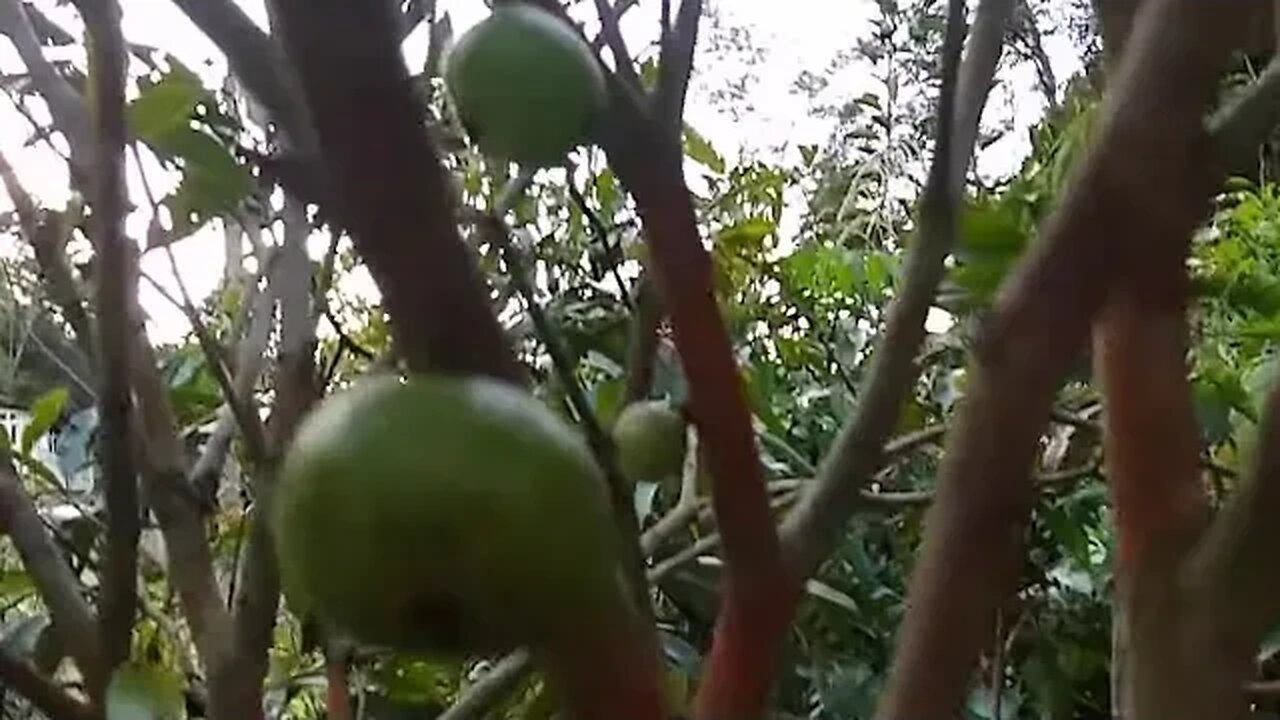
(117, 292)
(1159, 502)
(393, 189)
(1151, 127)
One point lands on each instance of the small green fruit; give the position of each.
(443, 515)
(650, 439)
(526, 86)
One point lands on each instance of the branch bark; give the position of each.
(1233, 581)
(258, 598)
(1151, 127)
(391, 186)
(65, 104)
(41, 692)
(117, 291)
(814, 526)
(257, 62)
(73, 620)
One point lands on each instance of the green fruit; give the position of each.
(650, 439)
(443, 515)
(526, 86)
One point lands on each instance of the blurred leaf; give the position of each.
(144, 692)
(699, 149)
(164, 107)
(45, 413)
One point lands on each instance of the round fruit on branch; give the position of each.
(526, 86)
(650, 439)
(444, 515)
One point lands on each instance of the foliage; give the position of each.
(808, 254)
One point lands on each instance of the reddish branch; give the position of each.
(1151, 439)
(1151, 128)
(390, 187)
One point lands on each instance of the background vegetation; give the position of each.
(809, 248)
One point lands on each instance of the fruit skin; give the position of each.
(443, 515)
(650, 439)
(526, 86)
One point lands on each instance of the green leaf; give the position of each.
(165, 107)
(824, 591)
(212, 181)
(699, 149)
(144, 692)
(39, 469)
(45, 411)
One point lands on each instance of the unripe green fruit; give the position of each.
(650, 439)
(526, 86)
(443, 515)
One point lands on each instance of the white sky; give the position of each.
(797, 35)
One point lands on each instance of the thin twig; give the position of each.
(601, 445)
(611, 33)
(65, 104)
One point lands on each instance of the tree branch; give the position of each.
(117, 291)
(73, 620)
(642, 342)
(47, 236)
(977, 72)
(257, 63)
(392, 187)
(1151, 127)
(676, 65)
(41, 692)
(1233, 578)
(1242, 125)
(258, 597)
(815, 525)
(611, 35)
(65, 104)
